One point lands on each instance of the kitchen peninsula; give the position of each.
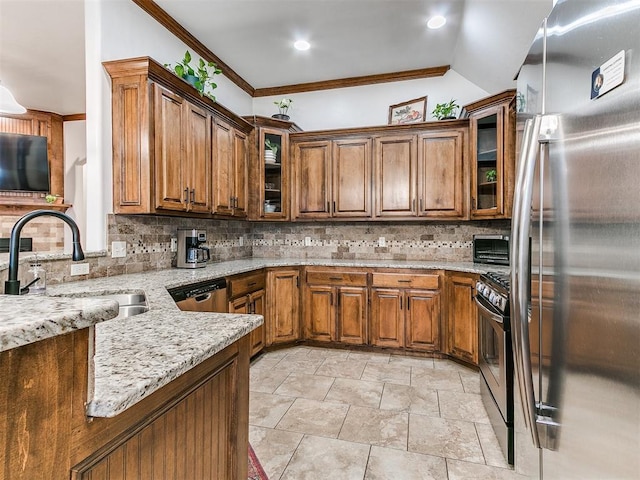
(84, 392)
(154, 382)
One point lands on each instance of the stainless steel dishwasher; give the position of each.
(207, 296)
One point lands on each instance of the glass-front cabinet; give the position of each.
(492, 156)
(488, 171)
(273, 197)
(269, 172)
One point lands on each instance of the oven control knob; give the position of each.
(479, 286)
(492, 297)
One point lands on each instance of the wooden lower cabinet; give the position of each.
(252, 303)
(405, 319)
(247, 295)
(283, 306)
(462, 317)
(335, 306)
(405, 310)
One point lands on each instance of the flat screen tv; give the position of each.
(24, 164)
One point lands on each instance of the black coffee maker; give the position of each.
(191, 250)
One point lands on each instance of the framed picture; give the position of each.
(413, 111)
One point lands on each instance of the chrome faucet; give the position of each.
(12, 285)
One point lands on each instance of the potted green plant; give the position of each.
(51, 198)
(445, 111)
(283, 108)
(491, 175)
(201, 77)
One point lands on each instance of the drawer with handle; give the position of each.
(244, 284)
(406, 280)
(337, 277)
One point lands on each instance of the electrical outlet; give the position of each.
(382, 242)
(118, 249)
(241, 241)
(307, 241)
(79, 268)
(174, 244)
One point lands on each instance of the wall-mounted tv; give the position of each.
(24, 164)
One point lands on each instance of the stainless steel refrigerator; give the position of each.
(575, 286)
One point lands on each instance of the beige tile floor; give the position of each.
(319, 413)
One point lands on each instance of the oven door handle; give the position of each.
(485, 311)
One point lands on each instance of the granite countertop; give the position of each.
(135, 356)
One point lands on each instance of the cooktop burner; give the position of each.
(502, 280)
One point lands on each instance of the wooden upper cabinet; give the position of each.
(312, 179)
(239, 174)
(223, 151)
(395, 175)
(198, 157)
(492, 148)
(169, 136)
(351, 167)
(332, 178)
(182, 152)
(165, 140)
(441, 174)
(230, 170)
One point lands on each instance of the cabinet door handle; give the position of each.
(334, 206)
(235, 202)
(186, 195)
(335, 278)
(408, 303)
(193, 195)
(331, 299)
(413, 204)
(404, 281)
(401, 303)
(252, 284)
(421, 204)
(328, 207)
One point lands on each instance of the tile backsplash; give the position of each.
(369, 240)
(148, 240)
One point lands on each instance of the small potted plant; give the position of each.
(271, 152)
(445, 111)
(51, 198)
(201, 77)
(491, 175)
(283, 107)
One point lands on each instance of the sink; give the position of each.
(130, 303)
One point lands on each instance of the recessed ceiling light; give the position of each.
(436, 22)
(302, 45)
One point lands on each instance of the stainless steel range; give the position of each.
(496, 356)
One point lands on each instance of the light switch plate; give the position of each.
(79, 269)
(118, 249)
(174, 244)
(241, 241)
(307, 241)
(382, 242)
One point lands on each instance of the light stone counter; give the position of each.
(135, 356)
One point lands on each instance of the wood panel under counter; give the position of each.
(45, 395)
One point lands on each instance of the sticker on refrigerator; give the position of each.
(608, 76)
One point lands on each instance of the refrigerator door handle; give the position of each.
(520, 271)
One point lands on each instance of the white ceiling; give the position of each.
(42, 41)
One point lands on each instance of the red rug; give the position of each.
(256, 472)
